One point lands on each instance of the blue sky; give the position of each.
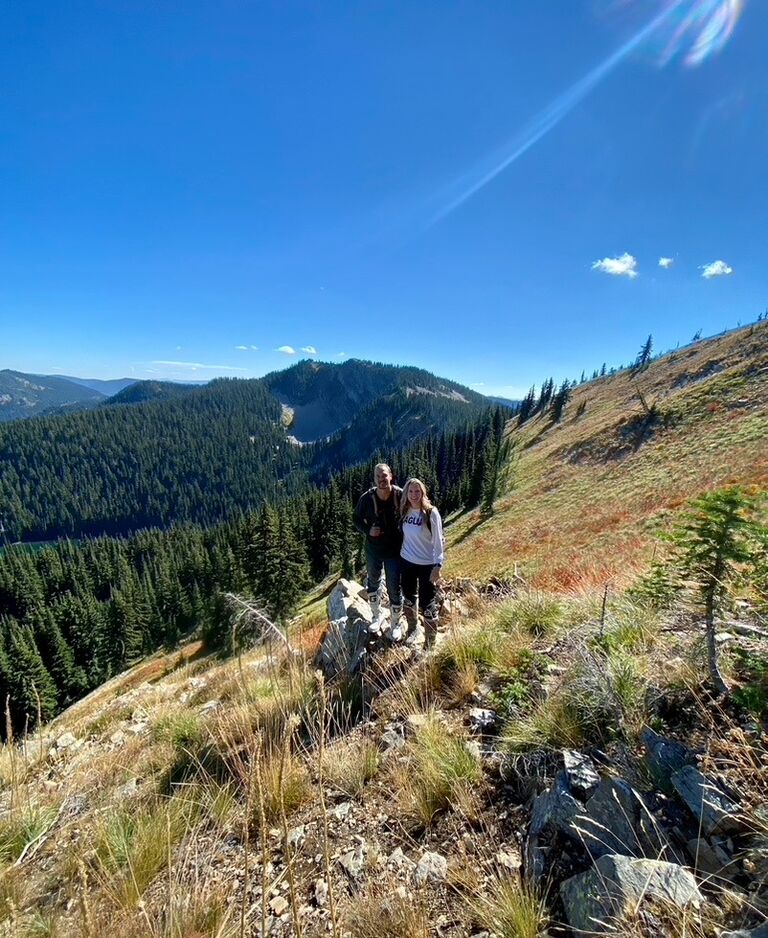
(420, 181)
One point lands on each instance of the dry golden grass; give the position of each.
(349, 765)
(586, 499)
(383, 912)
(508, 908)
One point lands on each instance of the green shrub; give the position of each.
(752, 670)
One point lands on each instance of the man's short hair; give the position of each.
(381, 465)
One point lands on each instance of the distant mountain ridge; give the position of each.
(26, 395)
(107, 386)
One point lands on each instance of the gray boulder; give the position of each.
(596, 901)
(616, 820)
(349, 614)
(760, 932)
(664, 757)
(710, 806)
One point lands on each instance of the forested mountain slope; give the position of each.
(199, 457)
(23, 395)
(324, 398)
(589, 491)
(203, 454)
(140, 391)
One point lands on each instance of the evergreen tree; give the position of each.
(644, 355)
(498, 469)
(713, 538)
(560, 400)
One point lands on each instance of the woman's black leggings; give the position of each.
(414, 577)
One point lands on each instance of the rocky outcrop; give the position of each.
(345, 644)
(595, 902)
(717, 813)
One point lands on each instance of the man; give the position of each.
(377, 516)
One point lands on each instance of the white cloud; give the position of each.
(242, 348)
(341, 354)
(254, 348)
(477, 384)
(624, 266)
(309, 349)
(715, 269)
(198, 366)
(666, 262)
(286, 349)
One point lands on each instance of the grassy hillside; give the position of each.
(589, 492)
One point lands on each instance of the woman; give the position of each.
(421, 557)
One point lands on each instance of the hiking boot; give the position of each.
(431, 622)
(376, 614)
(397, 623)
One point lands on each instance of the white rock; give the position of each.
(279, 905)
(321, 893)
(341, 811)
(432, 867)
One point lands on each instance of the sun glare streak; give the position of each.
(705, 28)
(708, 24)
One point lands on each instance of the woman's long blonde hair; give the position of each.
(426, 504)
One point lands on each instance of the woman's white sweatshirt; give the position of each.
(419, 544)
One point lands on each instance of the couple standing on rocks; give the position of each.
(404, 541)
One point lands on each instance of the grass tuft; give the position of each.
(439, 772)
(539, 614)
(22, 828)
(380, 914)
(511, 909)
(349, 766)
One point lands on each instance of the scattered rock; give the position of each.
(343, 648)
(321, 893)
(296, 835)
(341, 811)
(581, 774)
(353, 861)
(707, 802)
(510, 861)
(67, 741)
(482, 720)
(760, 932)
(595, 900)
(392, 737)
(279, 905)
(399, 861)
(706, 858)
(611, 820)
(432, 867)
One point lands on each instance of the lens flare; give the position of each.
(693, 29)
(700, 29)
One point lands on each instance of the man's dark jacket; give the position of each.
(372, 510)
